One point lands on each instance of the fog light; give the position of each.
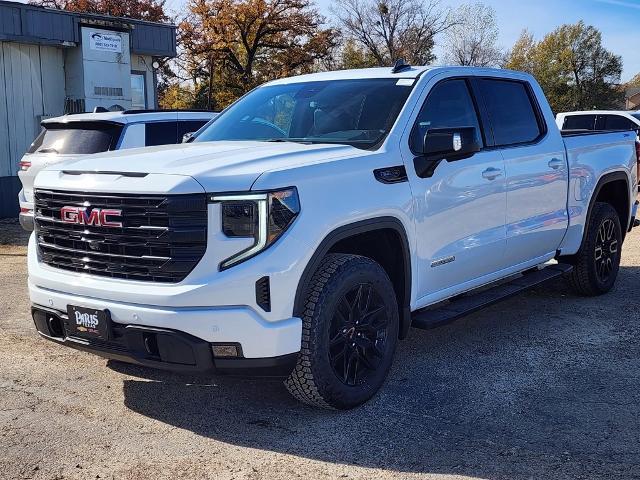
(221, 350)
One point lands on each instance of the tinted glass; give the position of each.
(618, 122)
(76, 138)
(160, 133)
(636, 115)
(448, 105)
(189, 126)
(352, 112)
(512, 114)
(579, 122)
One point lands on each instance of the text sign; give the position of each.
(105, 42)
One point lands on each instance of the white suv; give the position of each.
(74, 136)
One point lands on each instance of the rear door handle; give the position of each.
(491, 173)
(556, 163)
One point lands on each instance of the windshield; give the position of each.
(353, 112)
(76, 138)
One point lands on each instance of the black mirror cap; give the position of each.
(451, 143)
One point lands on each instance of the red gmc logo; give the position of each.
(98, 216)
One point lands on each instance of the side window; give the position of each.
(448, 105)
(579, 122)
(160, 133)
(512, 113)
(189, 126)
(618, 122)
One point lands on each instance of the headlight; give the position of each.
(261, 216)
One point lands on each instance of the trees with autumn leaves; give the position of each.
(227, 47)
(150, 10)
(230, 46)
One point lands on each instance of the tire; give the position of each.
(597, 263)
(349, 333)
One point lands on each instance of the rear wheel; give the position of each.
(349, 333)
(597, 263)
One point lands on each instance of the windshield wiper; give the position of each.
(286, 140)
(47, 150)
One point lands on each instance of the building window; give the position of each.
(138, 93)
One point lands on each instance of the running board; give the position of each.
(467, 303)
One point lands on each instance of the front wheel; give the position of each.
(349, 333)
(597, 263)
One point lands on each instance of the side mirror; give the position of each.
(450, 144)
(186, 138)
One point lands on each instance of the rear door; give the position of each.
(536, 169)
(460, 209)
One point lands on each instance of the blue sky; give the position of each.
(618, 20)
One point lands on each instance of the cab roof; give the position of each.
(355, 74)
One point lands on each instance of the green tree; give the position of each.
(573, 67)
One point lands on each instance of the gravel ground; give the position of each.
(546, 385)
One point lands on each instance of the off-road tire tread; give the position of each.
(301, 383)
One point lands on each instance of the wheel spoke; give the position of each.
(357, 334)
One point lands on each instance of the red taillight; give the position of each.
(25, 165)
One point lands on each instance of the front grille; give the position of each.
(161, 240)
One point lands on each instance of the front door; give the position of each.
(459, 210)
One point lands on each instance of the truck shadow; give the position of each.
(542, 385)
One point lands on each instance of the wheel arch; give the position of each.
(344, 240)
(605, 191)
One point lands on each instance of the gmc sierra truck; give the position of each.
(310, 225)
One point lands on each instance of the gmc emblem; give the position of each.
(98, 216)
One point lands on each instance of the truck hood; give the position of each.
(217, 166)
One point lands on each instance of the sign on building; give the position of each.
(105, 42)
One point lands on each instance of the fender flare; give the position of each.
(602, 181)
(349, 230)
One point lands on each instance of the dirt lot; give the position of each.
(546, 385)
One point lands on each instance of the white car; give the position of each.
(305, 230)
(602, 120)
(74, 136)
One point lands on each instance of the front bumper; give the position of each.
(161, 348)
(257, 337)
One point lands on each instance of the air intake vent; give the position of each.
(263, 294)
(108, 91)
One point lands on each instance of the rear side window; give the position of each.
(448, 105)
(160, 133)
(77, 138)
(189, 126)
(618, 122)
(511, 110)
(579, 122)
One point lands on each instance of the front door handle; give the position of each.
(556, 163)
(491, 173)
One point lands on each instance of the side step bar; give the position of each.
(467, 303)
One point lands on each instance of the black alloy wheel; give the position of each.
(358, 334)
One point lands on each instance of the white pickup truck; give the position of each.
(310, 225)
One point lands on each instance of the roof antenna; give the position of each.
(100, 110)
(399, 66)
